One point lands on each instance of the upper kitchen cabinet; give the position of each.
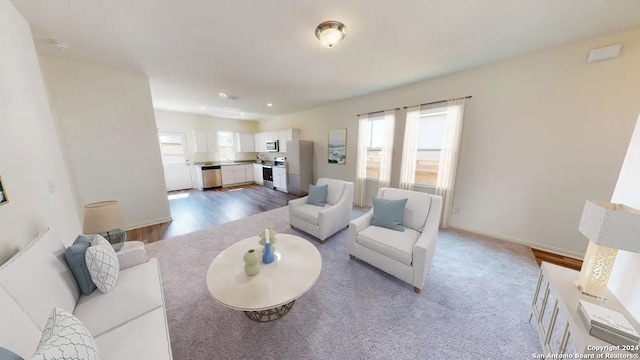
(205, 140)
(287, 135)
(245, 142)
(260, 142)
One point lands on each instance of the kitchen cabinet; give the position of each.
(257, 174)
(205, 141)
(245, 142)
(248, 171)
(260, 142)
(280, 178)
(227, 175)
(282, 136)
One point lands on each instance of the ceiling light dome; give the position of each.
(330, 33)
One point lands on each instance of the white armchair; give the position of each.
(323, 222)
(406, 255)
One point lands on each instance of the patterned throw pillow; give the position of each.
(65, 337)
(102, 263)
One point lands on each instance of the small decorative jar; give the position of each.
(251, 262)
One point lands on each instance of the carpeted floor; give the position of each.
(475, 303)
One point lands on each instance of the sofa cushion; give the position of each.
(64, 337)
(75, 257)
(388, 213)
(334, 191)
(417, 208)
(102, 263)
(393, 244)
(38, 270)
(317, 195)
(18, 332)
(6, 354)
(308, 213)
(138, 291)
(145, 337)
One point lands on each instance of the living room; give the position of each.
(544, 132)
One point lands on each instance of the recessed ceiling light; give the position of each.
(223, 95)
(241, 113)
(269, 104)
(203, 107)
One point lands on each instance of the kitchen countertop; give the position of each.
(224, 163)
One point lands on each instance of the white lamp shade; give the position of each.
(102, 216)
(612, 225)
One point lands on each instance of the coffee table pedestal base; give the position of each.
(270, 314)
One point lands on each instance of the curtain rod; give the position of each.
(440, 101)
(375, 112)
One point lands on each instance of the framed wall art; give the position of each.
(3, 193)
(338, 146)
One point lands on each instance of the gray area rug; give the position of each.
(474, 305)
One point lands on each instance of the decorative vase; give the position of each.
(268, 256)
(251, 262)
(271, 234)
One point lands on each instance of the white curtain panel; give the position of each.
(410, 149)
(387, 148)
(449, 157)
(364, 134)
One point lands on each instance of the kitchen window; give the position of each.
(225, 145)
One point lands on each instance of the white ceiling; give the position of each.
(266, 51)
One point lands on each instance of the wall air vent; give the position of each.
(233, 97)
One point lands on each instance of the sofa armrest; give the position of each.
(425, 247)
(132, 254)
(298, 202)
(357, 225)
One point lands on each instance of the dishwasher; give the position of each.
(211, 177)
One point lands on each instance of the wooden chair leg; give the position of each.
(416, 290)
(351, 257)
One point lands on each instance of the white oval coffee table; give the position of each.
(270, 294)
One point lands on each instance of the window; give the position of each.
(172, 149)
(225, 145)
(431, 128)
(374, 147)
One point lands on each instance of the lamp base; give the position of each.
(596, 269)
(116, 238)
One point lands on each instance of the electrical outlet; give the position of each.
(456, 211)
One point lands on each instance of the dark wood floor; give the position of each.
(193, 210)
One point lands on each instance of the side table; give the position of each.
(555, 311)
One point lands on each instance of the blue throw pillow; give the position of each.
(318, 195)
(388, 213)
(8, 355)
(75, 256)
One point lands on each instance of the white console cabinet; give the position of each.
(555, 314)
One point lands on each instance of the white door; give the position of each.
(175, 160)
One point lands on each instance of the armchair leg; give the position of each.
(351, 257)
(416, 290)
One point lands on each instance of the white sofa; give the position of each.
(406, 255)
(323, 222)
(128, 323)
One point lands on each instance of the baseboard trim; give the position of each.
(148, 223)
(533, 245)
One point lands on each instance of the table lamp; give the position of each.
(609, 228)
(105, 218)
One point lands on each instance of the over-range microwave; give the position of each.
(272, 146)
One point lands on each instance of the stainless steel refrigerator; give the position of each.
(300, 164)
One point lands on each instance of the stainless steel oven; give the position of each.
(267, 176)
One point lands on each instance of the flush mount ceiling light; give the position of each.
(223, 95)
(330, 33)
(269, 104)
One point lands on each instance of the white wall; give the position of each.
(31, 158)
(542, 133)
(625, 279)
(108, 132)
